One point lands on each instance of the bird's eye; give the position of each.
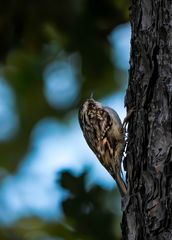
(91, 105)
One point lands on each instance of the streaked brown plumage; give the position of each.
(103, 131)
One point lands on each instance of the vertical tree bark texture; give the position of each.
(148, 205)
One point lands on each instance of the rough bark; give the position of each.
(147, 209)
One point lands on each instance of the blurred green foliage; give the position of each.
(89, 214)
(92, 212)
(33, 35)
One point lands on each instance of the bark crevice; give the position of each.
(147, 209)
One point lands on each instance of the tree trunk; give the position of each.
(147, 209)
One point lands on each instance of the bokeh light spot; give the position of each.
(61, 85)
(120, 41)
(8, 116)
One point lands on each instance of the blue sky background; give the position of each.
(53, 145)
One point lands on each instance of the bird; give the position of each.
(105, 135)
